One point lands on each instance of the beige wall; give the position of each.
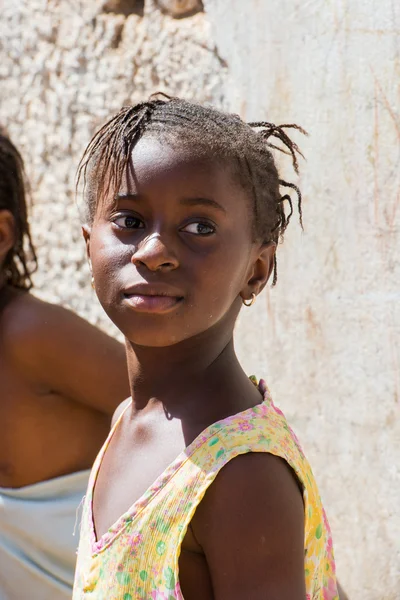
(327, 338)
(65, 67)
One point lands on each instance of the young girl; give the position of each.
(201, 490)
(60, 381)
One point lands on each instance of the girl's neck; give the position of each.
(199, 379)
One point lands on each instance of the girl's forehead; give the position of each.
(154, 162)
(154, 154)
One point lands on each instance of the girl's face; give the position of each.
(173, 256)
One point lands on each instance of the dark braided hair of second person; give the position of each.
(226, 137)
(20, 261)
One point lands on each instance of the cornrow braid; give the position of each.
(20, 262)
(225, 137)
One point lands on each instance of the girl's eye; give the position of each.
(128, 222)
(199, 228)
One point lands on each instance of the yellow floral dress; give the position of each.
(137, 559)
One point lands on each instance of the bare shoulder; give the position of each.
(29, 323)
(58, 351)
(250, 526)
(36, 333)
(120, 409)
(23, 318)
(261, 479)
(26, 314)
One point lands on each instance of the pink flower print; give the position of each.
(330, 591)
(134, 541)
(278, 410)
(263, 388)
(156, 572)
(326, 523)
(245, 426)
(178, 593)
(155, 595)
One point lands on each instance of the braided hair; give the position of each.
(222, 136)
(20, 261)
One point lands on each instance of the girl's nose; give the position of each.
(154, 255)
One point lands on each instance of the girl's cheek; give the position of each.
(110, 254)
(103, 238)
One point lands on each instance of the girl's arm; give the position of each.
(61, 353)
(250, 526)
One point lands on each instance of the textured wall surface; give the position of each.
(65, 67)
(327, 338)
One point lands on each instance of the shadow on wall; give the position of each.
(342, 595)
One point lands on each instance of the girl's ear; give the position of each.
(260, 271)
(86, 231)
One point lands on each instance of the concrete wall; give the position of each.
(327, 338)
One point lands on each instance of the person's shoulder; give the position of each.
(119, 410)
(255, 508)
(57, 351)
(253, 486)
(36, 333)
(24, 317)
(261, 474)
(26, 320)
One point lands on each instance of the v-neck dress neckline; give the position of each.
(99, 544)
(138, 557)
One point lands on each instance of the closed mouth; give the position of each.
(153, 289)
(152, 300)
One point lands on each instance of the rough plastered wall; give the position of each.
(65, 68)
(327, 338)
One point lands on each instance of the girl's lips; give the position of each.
(152, 304)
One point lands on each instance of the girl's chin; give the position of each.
(147, 341)
(153, 335)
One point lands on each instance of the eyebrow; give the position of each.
(203, 202)
(185, 201)
(127, 196)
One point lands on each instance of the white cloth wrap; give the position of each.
(37, 541)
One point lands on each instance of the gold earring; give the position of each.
(251, 301)
(92, 282)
